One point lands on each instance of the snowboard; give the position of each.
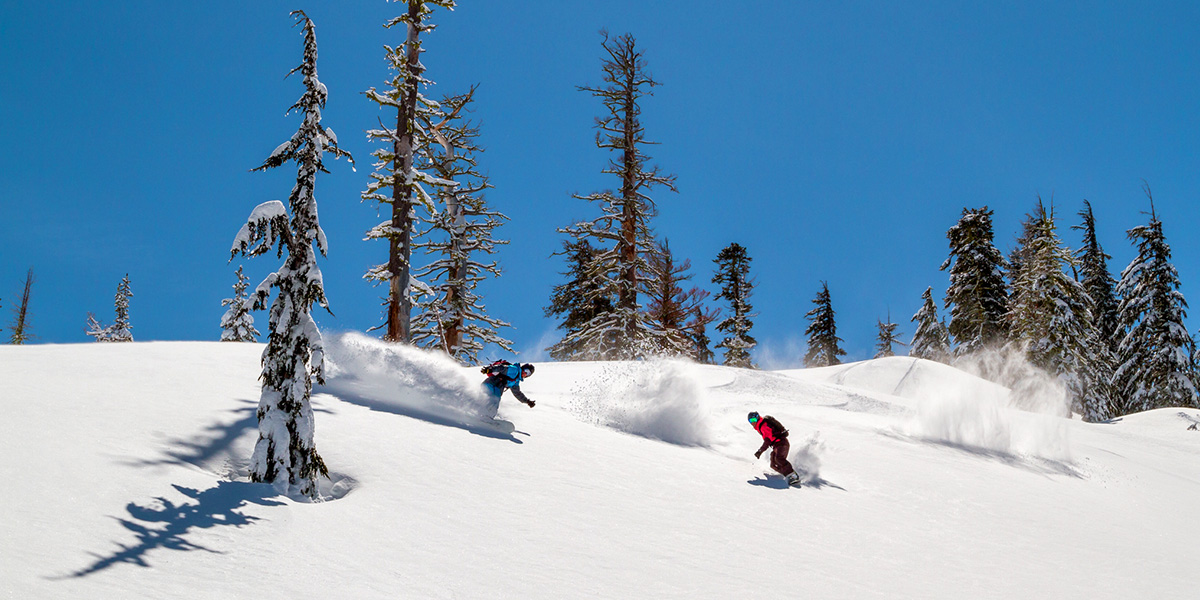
(499, 425)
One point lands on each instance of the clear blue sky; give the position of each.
(836, 141)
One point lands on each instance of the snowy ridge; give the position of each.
(126, 464)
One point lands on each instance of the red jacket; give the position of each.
(768, 434)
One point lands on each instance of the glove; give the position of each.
(483, 370)
(758, 454)
(531, 403)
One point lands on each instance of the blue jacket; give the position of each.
(506, 377)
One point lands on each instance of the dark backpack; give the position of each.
(496, 367)
(776, 426)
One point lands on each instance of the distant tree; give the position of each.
(886, 338)
(733, 275)
(451, 315)
(578, 301)
(286, 454)
(20, 326)
(621, 235)
(1050, 318)
(1099, 284)
(1156, 353)
(824, 346)
(670, 306)
(931, 341)
(396, 167)
(237, 325)
(977, 297)
(122, 330)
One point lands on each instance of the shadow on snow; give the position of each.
(167, 526)
(396, 408)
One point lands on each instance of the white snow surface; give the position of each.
(125, 469)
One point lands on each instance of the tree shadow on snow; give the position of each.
(167, 527)
(396, 408)
(215, 443)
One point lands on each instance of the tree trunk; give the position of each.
(399, 326)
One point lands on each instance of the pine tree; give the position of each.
(1097, 281)
(670, 306)
(96, 329)
(577, 302)
(1051, 320)
(20, 326)
(733, 275)
(1156, 353)
(824, 346)
(621, 236)
(886, 338)
(286, 454)
(451, 315)
(931, 340)
(237, 325)
(396, 167)
(121, 330)
(977, 297)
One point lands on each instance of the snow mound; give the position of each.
(401, 379)
(658, 399)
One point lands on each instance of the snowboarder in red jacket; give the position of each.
(774, 437)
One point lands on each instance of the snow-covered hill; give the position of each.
(124, 478)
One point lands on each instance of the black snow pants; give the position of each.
(779, 454)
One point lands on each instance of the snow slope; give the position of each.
(124, 478)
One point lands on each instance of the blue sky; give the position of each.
(836, 141)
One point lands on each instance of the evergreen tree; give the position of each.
(670, 306)
(1098, 282)
(621, 236)
(1156, 353)
(697, 328)
(1051, 321)
(396, 167)
(451, 315)
(121, 330)
(237, 325)
(286, 454)
(977, 297)
(733, 275)
(20, 326)
(577, 302)
(887, 337)
(824, 346)
(931, 340)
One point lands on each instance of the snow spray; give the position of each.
(658, 399)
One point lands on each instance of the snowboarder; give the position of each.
(503, 375)
(774, 437)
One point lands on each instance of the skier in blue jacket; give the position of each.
(502, 375)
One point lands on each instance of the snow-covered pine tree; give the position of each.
(1099, 283)
(733, 275)
(286, 454)
(977, 296)
(396, 169)
(824, 346)
(621, 236)
(1156, 352)
(577, 302)
(1050, 317)
(886, 338)
(237, 325)
(697, 329)
(121, 330)
(451, 316)
(670, 306)
(931, 340)
(20, 326)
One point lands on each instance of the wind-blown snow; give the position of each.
(125, 477)
(658, 399)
